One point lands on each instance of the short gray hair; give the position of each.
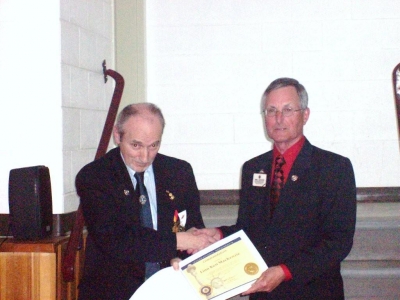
(137, 109)
(284, 82)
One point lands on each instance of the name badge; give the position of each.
(259, 179)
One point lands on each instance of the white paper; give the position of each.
(169, 284)
(166, 284)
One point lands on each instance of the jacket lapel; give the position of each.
(125, 189)
(162, 180)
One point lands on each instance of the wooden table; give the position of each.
(32, 270)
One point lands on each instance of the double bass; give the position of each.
(76, 238)
(396, 91)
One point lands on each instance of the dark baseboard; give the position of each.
(374, 194)
(379, 194)
(62, 223)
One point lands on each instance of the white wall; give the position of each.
(54, 100)
(209, 62)
(30, 91)
(86, 40)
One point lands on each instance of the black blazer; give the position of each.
(313, 225)
(117, 245)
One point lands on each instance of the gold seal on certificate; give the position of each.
(251, 268)
(206, 290)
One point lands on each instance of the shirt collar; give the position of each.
(290, 156)
(292, 152)
(149, 172)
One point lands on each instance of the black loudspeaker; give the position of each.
(30, 203)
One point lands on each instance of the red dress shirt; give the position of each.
(290, 156)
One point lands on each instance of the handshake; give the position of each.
(195, 239)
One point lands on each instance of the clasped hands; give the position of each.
(194, 240)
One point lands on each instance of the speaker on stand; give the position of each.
(30, 203)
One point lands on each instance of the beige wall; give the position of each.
(130, 47)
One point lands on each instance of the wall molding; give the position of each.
(370, 194)
(62, 223)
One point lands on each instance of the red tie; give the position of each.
(277, 182)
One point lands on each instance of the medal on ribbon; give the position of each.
(179, 221)
(142, 199)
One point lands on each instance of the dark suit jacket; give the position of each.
(313, 225)
(117, 245)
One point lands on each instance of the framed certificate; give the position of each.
(220, 271)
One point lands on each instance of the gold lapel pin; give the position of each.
(295, 177)
(171, 196)
(126, 192)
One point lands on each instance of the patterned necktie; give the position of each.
(277, 183)
(145, 217)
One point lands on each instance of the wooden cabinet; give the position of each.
(32, 270)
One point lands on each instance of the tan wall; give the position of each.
(130, 46)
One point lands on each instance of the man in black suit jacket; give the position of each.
(303, 237)
(118, 246)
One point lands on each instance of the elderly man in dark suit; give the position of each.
(136, 224)
(297, 205)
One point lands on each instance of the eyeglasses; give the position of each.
(286, 111)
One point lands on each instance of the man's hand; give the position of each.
(213, 232)
(268, 281)
(193, 242)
